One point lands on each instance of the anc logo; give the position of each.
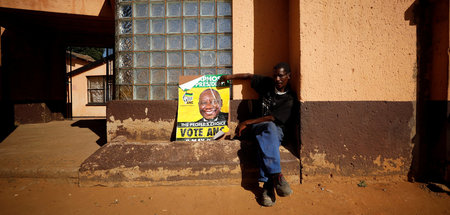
(188, 98)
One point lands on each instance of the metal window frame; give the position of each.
(105, 82)
(182, 18)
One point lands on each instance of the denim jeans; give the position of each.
(269, 137)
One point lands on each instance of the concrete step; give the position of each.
(225, 162)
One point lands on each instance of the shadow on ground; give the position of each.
(98, 126)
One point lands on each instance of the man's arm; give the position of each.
(244, 124)
(243, 76)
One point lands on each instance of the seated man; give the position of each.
(277, 101)
(209, 105)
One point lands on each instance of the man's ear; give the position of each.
(289, 75)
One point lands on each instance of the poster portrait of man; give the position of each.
(210, 104)
(203, 108)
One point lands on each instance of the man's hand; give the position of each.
(243, 76)
(223, 79)
(241, 127)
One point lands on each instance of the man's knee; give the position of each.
(272, 126)
(264, 126)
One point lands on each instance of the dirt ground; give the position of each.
(41, 196)
(56, 150)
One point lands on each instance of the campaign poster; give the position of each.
(203, 108)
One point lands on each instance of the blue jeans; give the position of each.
(269, 137)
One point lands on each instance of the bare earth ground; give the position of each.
(40, 196)
(56, 149)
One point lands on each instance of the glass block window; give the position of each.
(159, 40)
(96, 90)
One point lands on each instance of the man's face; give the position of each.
(209, 104)
(281, 79)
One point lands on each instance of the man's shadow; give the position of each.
(249, 167)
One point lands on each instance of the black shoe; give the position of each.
(281, 185)
(268, 195)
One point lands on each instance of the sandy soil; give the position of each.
(31, 152)
(39, 196)
(54, 149)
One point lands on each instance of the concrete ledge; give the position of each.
(357, 138)
(143, 121)
(225, 162)
(32, 113)
(37, 112)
